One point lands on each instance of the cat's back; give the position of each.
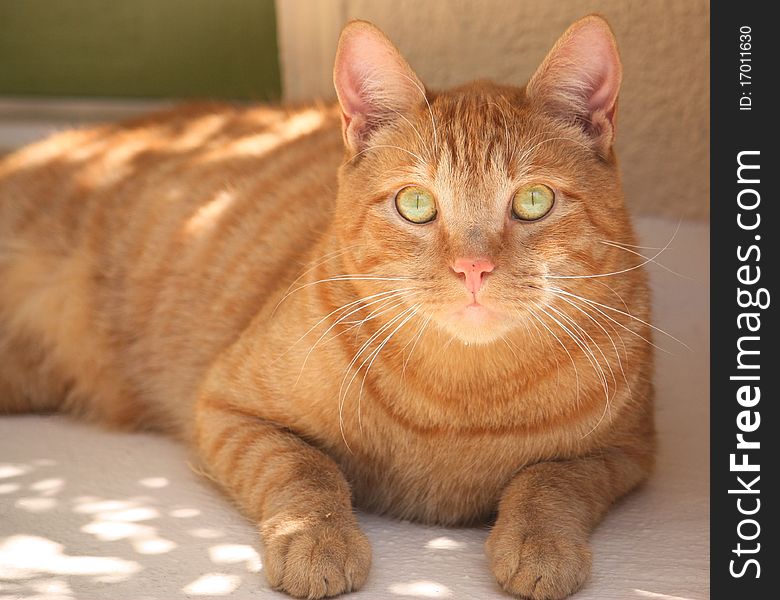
(174, 158)
(151, 243)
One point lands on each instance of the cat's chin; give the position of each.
(476, 324)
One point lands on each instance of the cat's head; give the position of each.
(477, 201)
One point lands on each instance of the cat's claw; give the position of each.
(315, 556)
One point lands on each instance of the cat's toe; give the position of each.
(538, 565)
(315, 557)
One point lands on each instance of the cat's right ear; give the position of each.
(374, 83)
(579, 79)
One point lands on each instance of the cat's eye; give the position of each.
(532, 202)
(416, 204)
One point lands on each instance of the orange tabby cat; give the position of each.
(415, 302)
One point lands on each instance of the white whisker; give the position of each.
(611, 289)
(417, 131)
(336, 278)
(527, 152)
(376, 312)
(612, 341)
(430, 110)
(583, 345)
(655, 262)
(627, 314)
(414, 345)
(327, 257)
(546, 340)
(607, 396)
(647, 261)
(375, 355)
(374, 147)
(633, 245)
(565, 349)
(357, 302)
(584, 334)
(386, 296)
(511, 349)
(342, 395)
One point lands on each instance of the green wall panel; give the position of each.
(139, 48)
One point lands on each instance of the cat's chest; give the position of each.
(434, 458)
(448, 478)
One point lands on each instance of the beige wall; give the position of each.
(663, 124)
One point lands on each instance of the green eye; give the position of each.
(532, 202)
(416, 204)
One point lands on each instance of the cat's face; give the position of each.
(475, 202)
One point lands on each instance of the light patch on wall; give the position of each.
(52, 589)
(109, 531)
(236, 553)
(184, 513)
(24, 555)
(154, 482)
(130, 515)
(89, 504)
(9, 470)
(657, 596)
(143, 538)
(213, 584)
(444, 543)
(153, 545)
(423, 589)
(35, 504)
(48, 487)
(205, 533)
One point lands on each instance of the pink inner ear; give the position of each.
(373, 82)
(582, 73)
(349, 79)
(602, 66)
(359, 64)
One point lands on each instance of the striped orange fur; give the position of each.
(242, 279)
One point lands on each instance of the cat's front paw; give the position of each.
(537, 563)
(315, 556)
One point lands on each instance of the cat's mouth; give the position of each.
(474, 322)
(480, 318)
(475, 312)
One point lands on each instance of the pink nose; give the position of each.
(474, 271)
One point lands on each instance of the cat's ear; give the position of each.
(373, 82)
(579, 79)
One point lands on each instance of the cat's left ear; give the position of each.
(579, 79)
(373, 82)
